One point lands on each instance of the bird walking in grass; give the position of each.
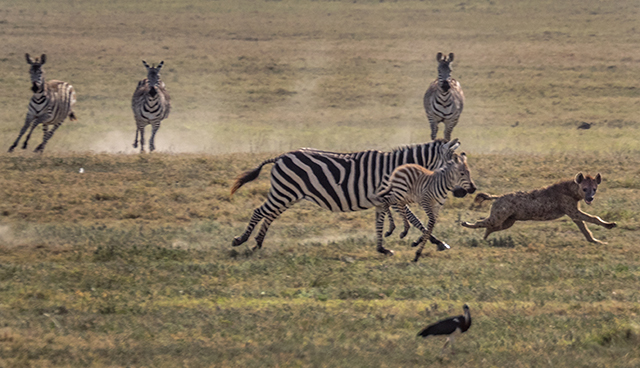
(450, 326)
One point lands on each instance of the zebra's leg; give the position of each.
(434, 127)
(154, 129)
(47, 135)
(448, 128)
(135, 141)
(403, 211)
(381, 211)
(33, 127)
(433, 215)
(392, 225)
(432, 239)
(255, 218)
(23, 130)
(141, 129)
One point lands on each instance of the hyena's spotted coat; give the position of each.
(544, 204)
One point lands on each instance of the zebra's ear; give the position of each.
(160, 65)
(439, 57)
(29, 61)
(579, 178)
(598, 179)
(452, 145)
(145, 64)
(451, 57)
(43, 59)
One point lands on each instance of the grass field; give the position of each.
(130, 263)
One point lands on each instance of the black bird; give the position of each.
(449, 326)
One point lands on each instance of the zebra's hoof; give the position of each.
(403, 234)
(443, 246)
(236, 241)
(386, 252)
(388, 233)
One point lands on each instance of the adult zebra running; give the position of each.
(414, 184)
(339, 182)
(151, 104)
(50, 104)
(444, 100)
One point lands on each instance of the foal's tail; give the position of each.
(480, 198)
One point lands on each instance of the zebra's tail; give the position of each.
(481, 197)
(72, 116)
(250, 175)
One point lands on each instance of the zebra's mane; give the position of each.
(351, 154)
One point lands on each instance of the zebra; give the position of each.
(412, 183)
(151, 104)
(339, 182)
(444, 100)
(50, 104)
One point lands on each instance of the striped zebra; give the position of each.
(339, 182)
(444, 100)
(412, 183)
(50, 104)
(151, 104)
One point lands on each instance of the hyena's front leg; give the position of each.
(587, 233)
(583, 216)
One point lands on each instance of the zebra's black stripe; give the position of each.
(339, 182)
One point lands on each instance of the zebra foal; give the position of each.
(151, 104)
(339, 182)
(50, 104)
(444, 100)
(414, 184)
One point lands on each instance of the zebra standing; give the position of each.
(412, 183)
(151, 104)
(444, 100)
(50, 104)
(339, 182)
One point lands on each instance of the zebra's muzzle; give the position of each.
(153, 92)
(445, 85)
(34, 87)
(459, 192)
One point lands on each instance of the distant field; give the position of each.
(265, 76)
(130, 263)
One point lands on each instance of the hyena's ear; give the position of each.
(579, 178)
(451, 57)
(43, 59)
(598, 179)
(439, 57)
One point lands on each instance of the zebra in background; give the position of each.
(412, 183)
(151, 104)
(444, 100)
(339, 182)
(50, 104)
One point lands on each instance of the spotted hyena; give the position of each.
(544, 204)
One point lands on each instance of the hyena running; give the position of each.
(544, 204)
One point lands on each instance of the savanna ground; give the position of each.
(130, 262)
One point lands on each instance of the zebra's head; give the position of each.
(36, 72)
(444, 70)
(153, 76)
(461, 176)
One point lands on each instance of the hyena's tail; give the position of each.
(480, 198)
